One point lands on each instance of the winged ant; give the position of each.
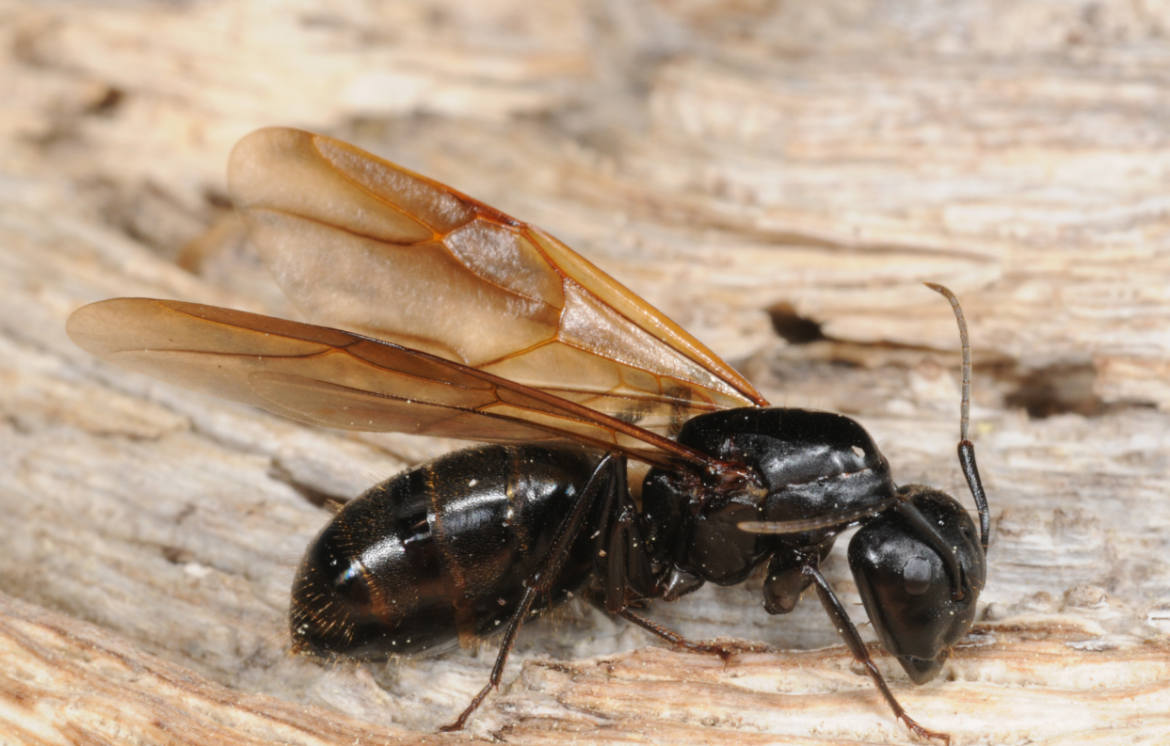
(463, 322)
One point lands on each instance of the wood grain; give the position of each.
(738, 164)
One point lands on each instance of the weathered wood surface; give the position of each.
(720, 158)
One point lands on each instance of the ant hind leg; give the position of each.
(602, 478)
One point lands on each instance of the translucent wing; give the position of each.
(361, 244)
(343, 380)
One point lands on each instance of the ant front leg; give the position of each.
(787, 579)
(603, 477)
(860, 653)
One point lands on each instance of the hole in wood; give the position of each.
(793, 327)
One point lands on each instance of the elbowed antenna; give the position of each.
(966, 447)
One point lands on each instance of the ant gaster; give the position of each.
(463, 322)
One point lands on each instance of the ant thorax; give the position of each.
(808, 464)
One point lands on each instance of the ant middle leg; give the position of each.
(725, 649)
(627, 577)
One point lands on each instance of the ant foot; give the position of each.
(453, 727)
(466, 714)
(923, 733)
(728, 649)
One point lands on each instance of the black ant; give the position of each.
(463, 322)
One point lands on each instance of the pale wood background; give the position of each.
(721, 157)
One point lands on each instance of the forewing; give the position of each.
(359, 243)
(343, 380)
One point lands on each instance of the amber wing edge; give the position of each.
(302, 157)
(192, 345)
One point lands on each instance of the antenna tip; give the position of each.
(946, 293)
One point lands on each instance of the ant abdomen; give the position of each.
(438, 553)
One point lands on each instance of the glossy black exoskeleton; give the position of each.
(476, 540)
(435, 314)
(440, 553)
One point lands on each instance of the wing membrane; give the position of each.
(361, 244)
(344, 380)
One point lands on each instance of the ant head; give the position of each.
(919, 567)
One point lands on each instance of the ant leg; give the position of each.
(624, 568)
(853, 641)
(620, 548)
(786, 579)
(501, 659)
(725, 650)
(542, 580)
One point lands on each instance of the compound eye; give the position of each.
(916, 576)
